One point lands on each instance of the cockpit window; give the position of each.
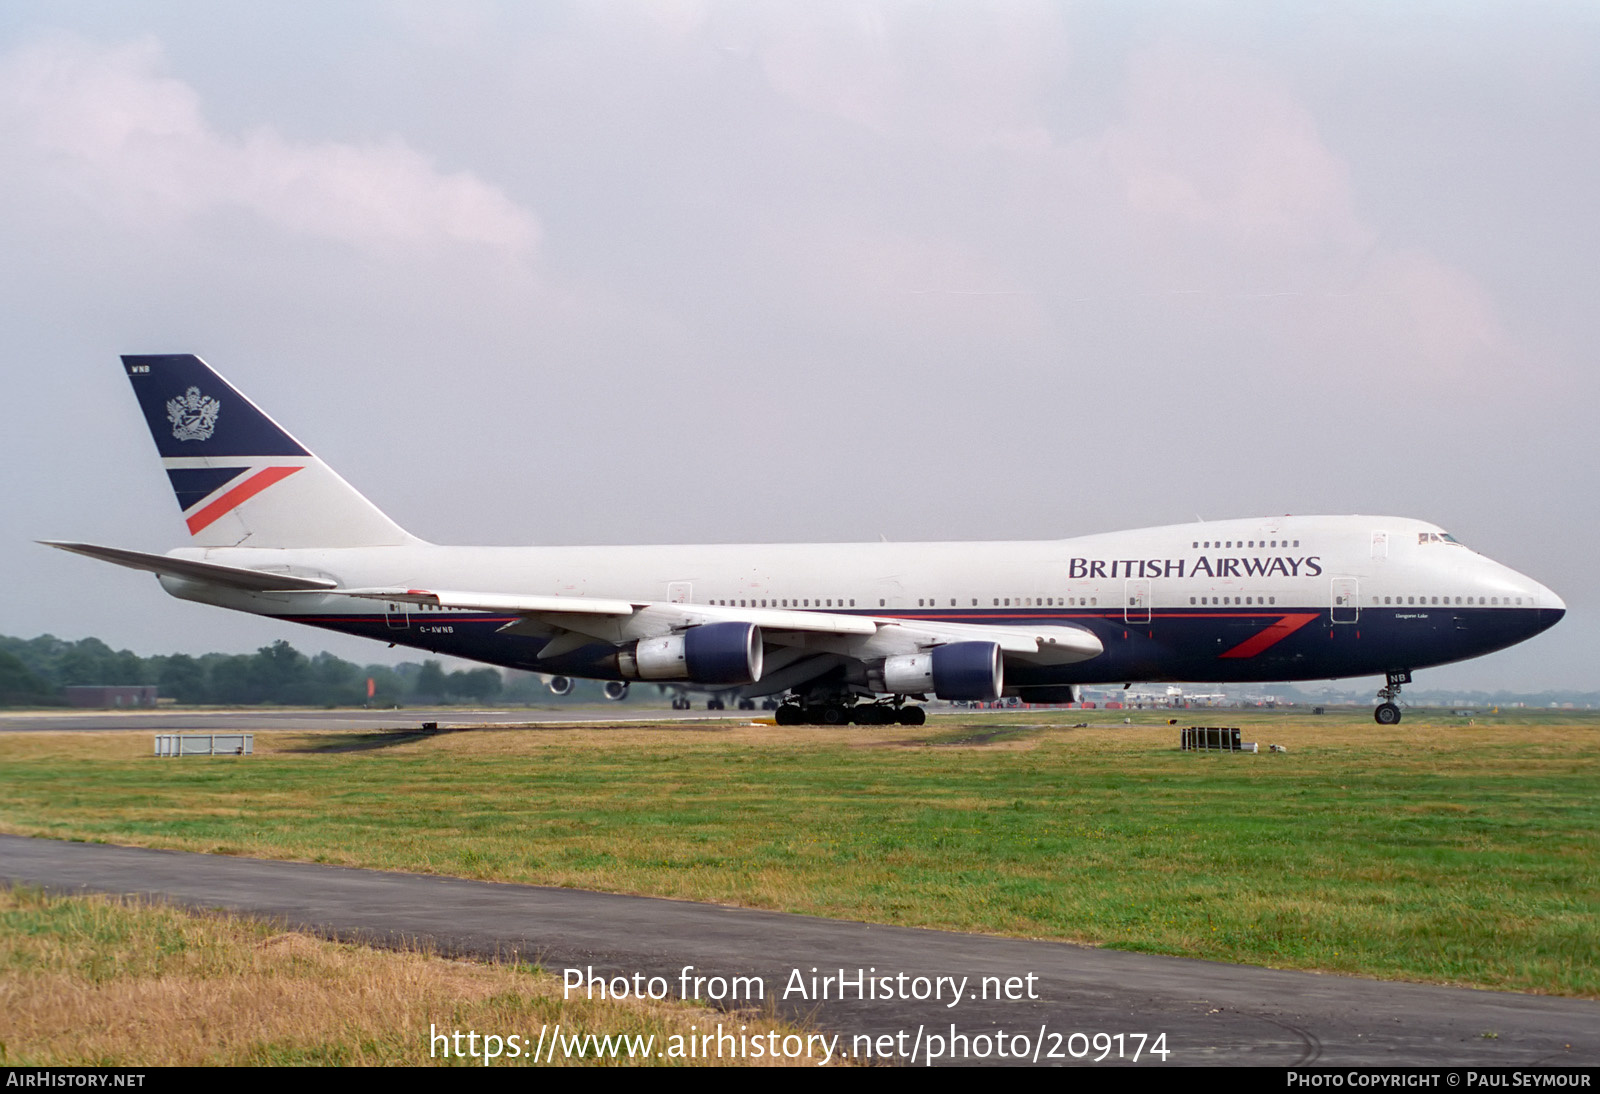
(1437, 537)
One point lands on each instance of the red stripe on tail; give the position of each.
(236, 497)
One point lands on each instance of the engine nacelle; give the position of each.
(971, 671)
(712, 653)
(615, 690)
(559, 685)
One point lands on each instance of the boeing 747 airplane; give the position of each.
(843, 632)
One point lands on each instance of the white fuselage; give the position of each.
(1344, 569)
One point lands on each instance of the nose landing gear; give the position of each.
(1388, 714)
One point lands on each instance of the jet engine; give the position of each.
(559, 685)
(615, 690)
(712, 653)
(961, 670)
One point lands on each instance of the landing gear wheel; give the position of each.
(1387, 713)
(788, 715)
(834, 715)
(913, 716)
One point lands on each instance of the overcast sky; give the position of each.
(679, 272)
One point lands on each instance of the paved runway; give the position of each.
(264, 721)
(1210, 1013)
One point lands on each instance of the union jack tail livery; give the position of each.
(240, 478)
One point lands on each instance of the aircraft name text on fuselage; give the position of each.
(1204, 566)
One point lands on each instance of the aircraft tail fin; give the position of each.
(240, 478)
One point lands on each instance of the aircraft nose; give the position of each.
(1550, 600)
(1551, 608)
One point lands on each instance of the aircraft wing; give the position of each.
(508, 603)
(804, 644)
(570, 619)
(861, 636)
(634, 619)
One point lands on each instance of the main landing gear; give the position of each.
(1388, 714)
(838, 714)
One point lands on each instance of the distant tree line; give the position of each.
(34, 670)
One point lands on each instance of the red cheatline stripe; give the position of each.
(1271, 636)
(236, 497)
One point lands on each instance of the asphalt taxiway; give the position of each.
(259, 720)
(1046, 992)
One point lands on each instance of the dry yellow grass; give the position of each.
(96, 981)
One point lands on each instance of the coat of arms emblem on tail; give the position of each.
(193, 415)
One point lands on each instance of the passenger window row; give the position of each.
(1214, 544)
(1492, 601)
(773, 602)
(1009, 601)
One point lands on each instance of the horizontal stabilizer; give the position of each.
(234, 577)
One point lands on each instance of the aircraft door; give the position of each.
(1345, 600)
(890, 593)
(398, 617)
(1136, 600)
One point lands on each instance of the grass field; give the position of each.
(1436, 850)
(102, 982)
